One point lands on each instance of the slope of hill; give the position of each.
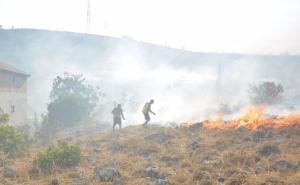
(23, 46)
(174, 156)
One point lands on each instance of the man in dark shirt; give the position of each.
(117, 115)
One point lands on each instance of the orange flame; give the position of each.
(253, 118)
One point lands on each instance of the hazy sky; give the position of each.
(252, 26)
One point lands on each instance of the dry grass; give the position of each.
(219, 157)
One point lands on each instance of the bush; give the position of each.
(62, 154)
(265, 93)
(3, 117)
(12, 142)
(68, 110)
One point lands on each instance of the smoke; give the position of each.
(184, 85)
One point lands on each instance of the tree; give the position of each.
(72, 101)
(71, 84)
(3, 117)
(69, 110)
(265, 93)
(12, 142)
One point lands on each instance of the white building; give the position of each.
(13, 93)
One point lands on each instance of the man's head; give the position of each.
(151, 101)
(119, 106)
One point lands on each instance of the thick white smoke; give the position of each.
(184, 85)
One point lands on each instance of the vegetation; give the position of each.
(73, 84)
(265, 93)
(12, 142)
(68, 110)
(72, 101)
(62, 154)
(3, 117)
(187, 156)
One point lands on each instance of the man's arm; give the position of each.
(122, 115)
(151, 111)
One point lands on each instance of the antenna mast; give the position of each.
(88, 16)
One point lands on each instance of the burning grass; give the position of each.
(187, 156)
(252, 117)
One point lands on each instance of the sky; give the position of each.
(239, 26)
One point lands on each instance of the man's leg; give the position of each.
(147, 118)
(115, 122)
(114, 127)
(147, 121)
(119, 122)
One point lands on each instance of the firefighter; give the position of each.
(117, 116)
(146, 111)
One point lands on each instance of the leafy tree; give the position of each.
(69, 110)
(3, 117)
(73, 100)
(73, 84)
(12, 142)
(265, 93)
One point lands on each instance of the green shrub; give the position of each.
(3, 116)
(62, 154)
(12, 142)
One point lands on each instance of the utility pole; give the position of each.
(88, 16)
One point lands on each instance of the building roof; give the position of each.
(9, 68)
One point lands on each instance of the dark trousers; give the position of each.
(147, 117)
(117, 121)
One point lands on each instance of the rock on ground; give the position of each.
(153, 172)
(108, 174)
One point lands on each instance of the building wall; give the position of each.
(13, 96)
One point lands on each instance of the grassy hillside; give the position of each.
(155, 155)
(174, 156)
